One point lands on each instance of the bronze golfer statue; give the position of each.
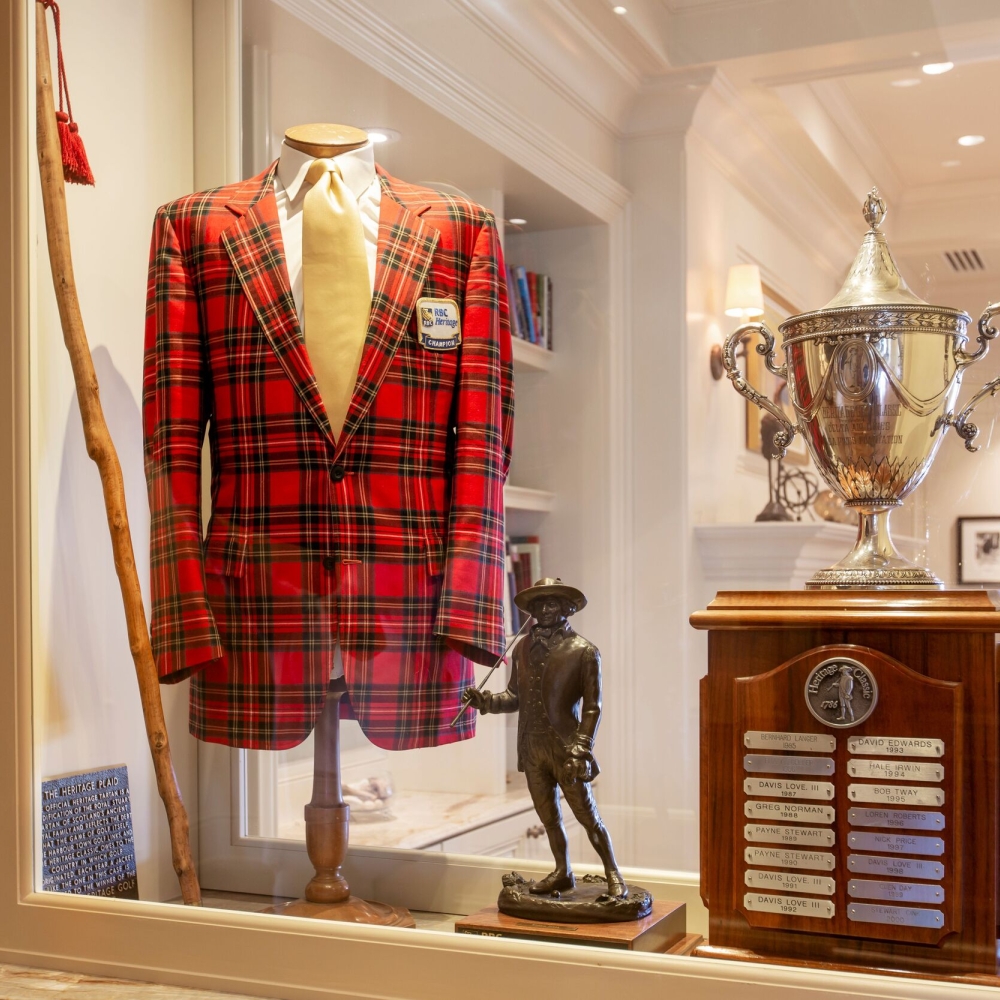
(555, 685)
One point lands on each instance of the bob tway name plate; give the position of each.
(757, 763)
(818, 885)
(895, 746)
(775, 857)
(787, 812)
(801, 742)
(895, 843)
(778, 788)
(905, 916)
(899, 819)
(896, 795)
(772, 834)
(870, 864)
(895, 770)
(789, 906)
(898, 892)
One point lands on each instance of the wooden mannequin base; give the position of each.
(352, 911)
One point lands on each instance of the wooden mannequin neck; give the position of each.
(325, 140)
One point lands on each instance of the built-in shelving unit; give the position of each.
(522, 498)
(531, 358)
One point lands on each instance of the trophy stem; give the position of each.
(873, 563)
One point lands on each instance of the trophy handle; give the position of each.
(784, 437)
(964, 428)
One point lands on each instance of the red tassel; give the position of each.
(76, 167)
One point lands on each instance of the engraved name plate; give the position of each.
(788, 812)
(899, 892)
(899, 819)
(804, 742)
(895, 770)
(818, 885)
(895, 746)
(774, 764)
(896, 795)
(778, 788)
(759, 833)
(904, 916)
(868, 864)
(790, 906)
(895, 843)
(776, 857)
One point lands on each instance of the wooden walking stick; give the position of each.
(101, 448)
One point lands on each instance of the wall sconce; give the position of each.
(744, 299)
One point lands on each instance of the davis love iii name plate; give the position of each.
(782, 789)
(792, 906)
(817, 885)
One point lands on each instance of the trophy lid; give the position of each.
(874, 279)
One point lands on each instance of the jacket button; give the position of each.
(329, 563)
(337, 473)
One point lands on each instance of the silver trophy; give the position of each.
(873, 377)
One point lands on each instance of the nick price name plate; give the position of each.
(760, 833)
(895, 746)
(779, 788)
(904, 916)
(895, 843)
(776, 857)
(789, 906)
(773, 764)
(787, 812)
(818, 885)
(870, 864)
(897, 892)
(896, 795)
(805, 742)
(899, 819)
(895, 770)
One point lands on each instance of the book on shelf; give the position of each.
(524, 568)
(529, 297)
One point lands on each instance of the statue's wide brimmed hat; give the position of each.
(550, 587)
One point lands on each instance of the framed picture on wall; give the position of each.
(776, 310)
(979, 550)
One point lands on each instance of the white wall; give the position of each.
(129, 69)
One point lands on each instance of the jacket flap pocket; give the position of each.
(225, 553)
(434, 549)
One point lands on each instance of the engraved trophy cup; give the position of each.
(873, 378)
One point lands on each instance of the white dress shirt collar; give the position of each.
(357, 167)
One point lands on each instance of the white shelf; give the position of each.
(530, 357)
(521, 498)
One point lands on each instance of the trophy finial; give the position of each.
(873, 209)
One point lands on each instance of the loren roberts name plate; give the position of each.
(895, 746)
(799, 742)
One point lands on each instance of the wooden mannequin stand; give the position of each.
(849, 780)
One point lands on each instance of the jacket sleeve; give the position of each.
(175, 411)
(470, 611)
(590, 709)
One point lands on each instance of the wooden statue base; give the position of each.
(663, 930)
(351, 910)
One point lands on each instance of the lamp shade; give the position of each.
(743, 293)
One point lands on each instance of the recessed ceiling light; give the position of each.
(518, 222)
(620, 10)
(936, 69)
(907, 81)
(971, 140)
(951, 163)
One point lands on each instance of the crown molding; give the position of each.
(353, 25)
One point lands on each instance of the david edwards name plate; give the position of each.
(87, 845)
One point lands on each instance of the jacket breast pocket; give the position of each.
(225, 553)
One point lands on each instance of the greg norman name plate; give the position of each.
(775, 857)
(803, 742)
(778, 788)
(899, 892)
(895, 770)
(895, 843)
(774, 764)
(789, 906)
(905, 916)
(87, 845)
(869, 864)
(895, 746)
(788, 812)
(899, 819)
(817, 885)
(896, 795)
(760, 833)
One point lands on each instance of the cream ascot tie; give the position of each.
(335, 287)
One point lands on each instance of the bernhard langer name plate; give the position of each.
(87, 845)
(799, 742)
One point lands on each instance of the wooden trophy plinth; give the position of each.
(328, 896)
(849, 752)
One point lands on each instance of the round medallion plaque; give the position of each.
(841, 692)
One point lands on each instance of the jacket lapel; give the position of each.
(255, 248)
(405, 247)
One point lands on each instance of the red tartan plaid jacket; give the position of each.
(388, 540)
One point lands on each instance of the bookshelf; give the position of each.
(531, 357)
(522, 498)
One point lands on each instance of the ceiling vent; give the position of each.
(964, 261)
